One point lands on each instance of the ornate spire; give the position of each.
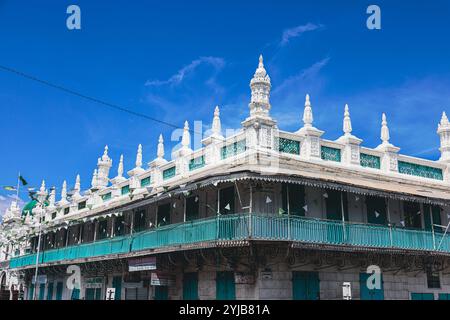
(347, 125)
(42, 189)
(64, 191)
(160, 151)
(384, 130)
(103, 165)
(307, 113)
(94, 181)
(186, 139)
(52, 198)
(444, 134)
(139, 157)
(216, 125)
(260, 87)
(120, 167)
(77, 188)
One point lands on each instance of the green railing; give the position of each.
(246, 227)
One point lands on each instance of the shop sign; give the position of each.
(162, 279)
(142, 264)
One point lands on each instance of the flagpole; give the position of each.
(18, 187)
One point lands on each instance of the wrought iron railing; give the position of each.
(247, 227)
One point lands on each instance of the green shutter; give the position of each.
(169, 173)
(422, 296)
(197, 163)
(418, 170)
(444, 296)
(117, 284)
(225, 286)
(106, 196)
(59, 291)
(145, 182)
(125, 190)
(288, 146)
(190, 286)
(370, 294)
(161, 293)
(50, 291)
(41, 291)
(75, 294)
(369, 161)
(90, 294)
(31, 292)
(330, 154)
(305, 285)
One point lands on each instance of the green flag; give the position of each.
(9, 188)
(24, 182)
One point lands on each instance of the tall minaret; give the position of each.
(444, 133)
(103, 165)
(260, 86)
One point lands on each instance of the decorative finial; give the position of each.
(94, 178)
(160, 151)
(42, 189)
(120, 167)
(260, 87)
(261, 61)
(139, 157)
(77, 187)
(444, 119)
(216, 125)
(186, 139)
(347, 126)
(64, 191)
(384, 130)
(307, 113)
(52, 197)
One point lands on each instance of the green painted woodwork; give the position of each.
(169, 173)
(117, 284)
(422, 296)
(106, 196)
(370, 294)
(145, 182)
(125, 190)
(369, 161)
(75, 294)
(330, 154)
(305, 285)
(444, 296)
(432, 215)
(233, 149)
(59, 291)
(50, 291)
(93, 294)
(197, 163)
(418, 170)
(246, 226)
(289, 146)
(225, 286)
(31, 292)
(161, 293)
(190, 286)
(41, 291)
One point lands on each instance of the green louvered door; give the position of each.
(50, 291)
(225, 286)
(432, 215)
(75, 294)
(305, 285)
(31, 292)
(190, 286)
(335, 202)
(376, 210)
(117, 284)
(422, 296)
(41, 291)
(59, 291)
(370, 294)
(161, 293)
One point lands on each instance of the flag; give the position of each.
(24, 182)
(9, 188)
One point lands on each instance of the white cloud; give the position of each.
(216, 62)
(297, 31)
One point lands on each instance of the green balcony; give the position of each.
(249, 227)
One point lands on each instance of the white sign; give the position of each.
(111, 294)
(347, 291)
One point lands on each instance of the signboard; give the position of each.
(41, 279)
(266, 275)
(162, 279)
(94, 283)
(244, 278)
(347, 291)
(142, 264)
(111, 294)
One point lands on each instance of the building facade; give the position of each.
(262, 214)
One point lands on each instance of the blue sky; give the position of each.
(176, 60)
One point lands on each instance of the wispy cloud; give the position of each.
(297, 31)
(216, 62)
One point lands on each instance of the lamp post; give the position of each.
(41, 211)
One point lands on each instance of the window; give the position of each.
(190, 286)
(197, 163)
(102, 231)
(432, 216)
(81, 205)
(433, 278)
(330, 154)
(119, 226)
(53, 215)
(125, 190)
(335, 202)
(413, 215)
(139, 220)
(106, 196)
(288, 146)
(376, 210)
(163, 216)
(293, 199)
(192, 208)
(169, 173)
(233, 149)
(66, 210)
(145, 182)
(226, 200)
(369, 161)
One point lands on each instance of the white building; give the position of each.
(263, 214)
